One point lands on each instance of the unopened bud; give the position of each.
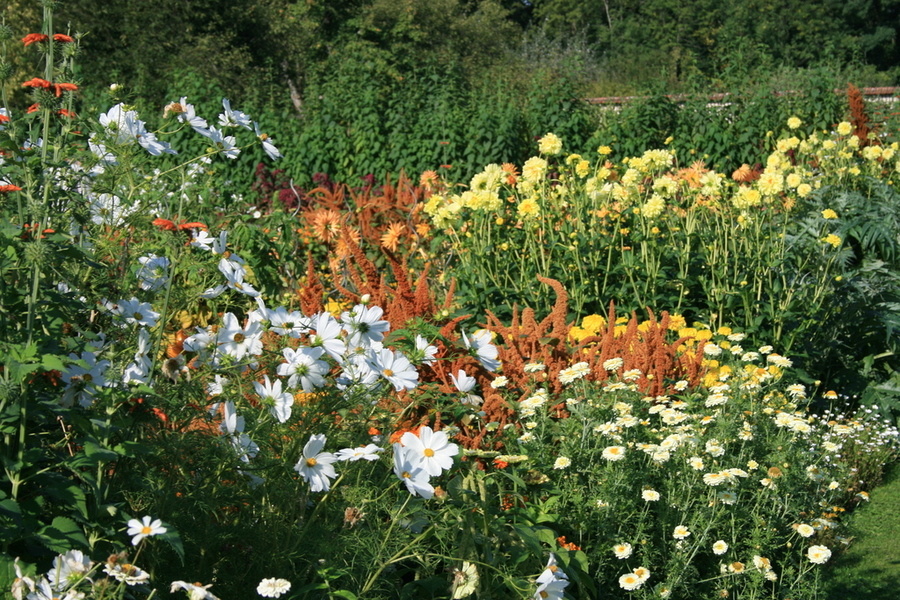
(365, 299)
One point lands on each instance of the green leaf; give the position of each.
(62, 535)
(51, 362)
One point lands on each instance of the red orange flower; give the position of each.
(33, 38)
(167, 225)
(4, 119)
(64, 87)
(62, 38)
(33, 108)
(37, 82)
(5, 189)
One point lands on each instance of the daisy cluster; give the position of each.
(704, 454)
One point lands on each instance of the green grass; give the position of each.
(870, 568)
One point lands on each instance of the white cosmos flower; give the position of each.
(429, 351)
(223, 143)
(233, 117)
(364, 325)
(396, 368)
(409, 469)
(433, 448)
(189, 116)
(237, 341)
(485, 351)
(327, 335)
(463, 382)
(153, 272)
(107, 209)
(135, 311)
(282, 401)
(146, 527)
(195, 591)
(69, 568)
(315, 466)
(267, 144)
(82, 382)
(369, 452)
(303, 368)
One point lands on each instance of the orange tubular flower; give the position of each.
(37, 82)
(5, 189)
(62, 38)
(4, 119)
(33, 38)
(64, 87)
(33, 108)
(167, 225)
(65, 113)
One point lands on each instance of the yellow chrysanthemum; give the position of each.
(550, 144)
(529, 208)
(829, 214)
(844, 128)
(832, 239)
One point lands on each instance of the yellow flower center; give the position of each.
(405, 474)
(311, 462)
(146, 530)
(388, 373)
(238, 337)
(429, 452)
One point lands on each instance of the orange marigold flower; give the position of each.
(63, 38)
(33, 38)
(391, 238)
(500, 464)
(37, 82)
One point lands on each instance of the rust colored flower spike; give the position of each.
(33, 38)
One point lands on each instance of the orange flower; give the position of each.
(428, 179)
(33, 108)
(500, 464)
(567, 545)
(64, 87)
(37, 82)
(5, 189)
(167, 225)
(33, 38)
(326, 224)
(512, 171)
(4, 119)
(392, 236)
(63, 38)
(65, 113)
